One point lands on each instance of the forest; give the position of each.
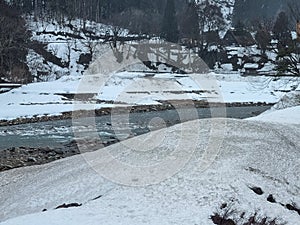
(194, 24)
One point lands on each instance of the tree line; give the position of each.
(192, 23)
(14, 39)
(176, 18)
(95, 10)
(172, 20)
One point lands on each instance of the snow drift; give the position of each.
(252, 154)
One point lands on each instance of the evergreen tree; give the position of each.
(281, 28)
(169, 24)
(263, 38)
(288, 52)
(14, 40)
(189, 26)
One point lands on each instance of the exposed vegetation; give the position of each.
(228, 216)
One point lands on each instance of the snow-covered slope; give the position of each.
(287, 110)
(253, 154)
(65, 48)
(289, 100)
(288, 115)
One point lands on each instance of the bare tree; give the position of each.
(287, 49)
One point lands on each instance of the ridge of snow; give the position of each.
(285, 116)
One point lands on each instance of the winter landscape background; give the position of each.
(149, 112)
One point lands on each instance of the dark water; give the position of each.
(56, 133)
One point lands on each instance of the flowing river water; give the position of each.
(57, 133)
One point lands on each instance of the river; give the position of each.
(57, 133)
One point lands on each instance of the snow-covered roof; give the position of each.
(251, 66)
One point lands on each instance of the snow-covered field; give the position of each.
(137, 88)
(252, 154)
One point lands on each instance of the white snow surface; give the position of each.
(137, 88)
(286, 111)
(289, 100)
(285, 116)
(252, 154)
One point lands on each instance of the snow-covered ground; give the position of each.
(137, 88)
(286, 111)
(225, 158)
(251, 154)
(285, 116)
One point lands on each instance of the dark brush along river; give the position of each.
(57, 133)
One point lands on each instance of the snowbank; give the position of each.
(252, 154)
(286, 111)
(285, 116)
(289, 100)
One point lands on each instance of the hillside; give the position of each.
(59, 50)
(251, 10)
(65, 40)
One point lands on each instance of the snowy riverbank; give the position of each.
(129, 88)
(253, 154)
